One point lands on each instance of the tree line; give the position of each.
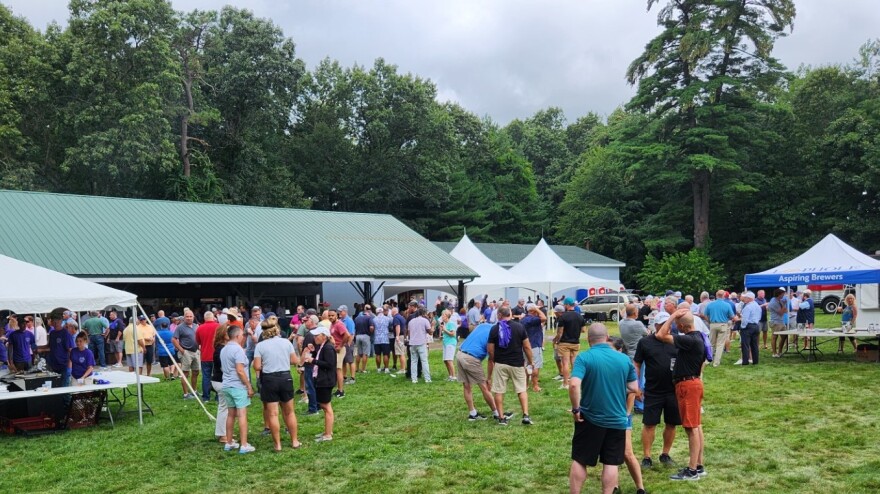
(721, 149)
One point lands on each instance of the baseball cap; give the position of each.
(559, 308)
(669, 292)
(661, 318)
(270, 314)
(311, 312)
(142, 317)
(568, 301)
(320, 330)
(342, 308)
(256, 308)
(225, 310)
(379, 310)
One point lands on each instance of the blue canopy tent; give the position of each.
(829, 262)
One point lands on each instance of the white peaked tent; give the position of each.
(31, 289)
(492, 275)
(544, 271)
(28, 289)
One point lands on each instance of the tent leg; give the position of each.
(137, 371)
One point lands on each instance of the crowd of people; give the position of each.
(655, 367)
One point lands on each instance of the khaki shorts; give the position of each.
(189, 361)
(340, 358)
(399, 346)
(567, 350)
(503, 373)
(468, 369)
(777, 326)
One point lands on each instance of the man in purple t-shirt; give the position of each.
(21, 346)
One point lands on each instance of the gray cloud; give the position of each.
(510, 58)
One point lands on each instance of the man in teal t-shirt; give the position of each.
(97, 329)
(600, 380)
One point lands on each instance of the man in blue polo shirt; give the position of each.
(469, 369)
(600, 381)
(720, 315)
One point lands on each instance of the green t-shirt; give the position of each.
(93, 326)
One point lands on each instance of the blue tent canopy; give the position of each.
(829, 262)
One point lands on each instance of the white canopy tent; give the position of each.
(544, 271)
(492, 276)
(32, 289)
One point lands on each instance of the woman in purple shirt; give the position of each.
(82, 361)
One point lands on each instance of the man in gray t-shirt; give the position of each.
(184, 339)
(474, 315)
(631, 330)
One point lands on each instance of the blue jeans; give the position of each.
(207, 369)
(96, 345)
(310, 388)
(419, 353)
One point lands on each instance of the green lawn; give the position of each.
(783, 426)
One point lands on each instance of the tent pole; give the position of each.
(137, 371)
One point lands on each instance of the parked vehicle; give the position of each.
(608, 304)
(828, 297)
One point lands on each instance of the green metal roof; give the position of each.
(105, 238)
(510, 254)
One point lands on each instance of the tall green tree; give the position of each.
(250, 77)
(712, 59)
(120, 76)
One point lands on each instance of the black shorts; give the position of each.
(323, 395)
(591, 443)
(149, 354)
(165, 361)
(657, 404)
(276, 387)
(382, 348)
(349, 355)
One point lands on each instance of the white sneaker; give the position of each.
(245, 449)
(563, 386)
(323, 439)
(230, 447)
(738, 362)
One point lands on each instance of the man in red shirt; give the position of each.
(341, 338)
(205, 339)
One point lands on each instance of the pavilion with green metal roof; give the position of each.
(172, 249)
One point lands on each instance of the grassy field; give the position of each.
(782, 426)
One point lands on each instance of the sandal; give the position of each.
(296, 445)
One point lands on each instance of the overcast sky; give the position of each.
(509, 58)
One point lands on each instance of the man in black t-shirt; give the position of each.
(655, 359)
(508, 341)
(568, 339)
(686, 372)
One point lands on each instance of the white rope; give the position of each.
(177, 365)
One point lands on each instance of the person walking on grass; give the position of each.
(469, 364)
(399, 327)
(776, 312)
(568, 338)
(687, 372)
(165, 352)
(601, 379)
(419, 329)
(508, 343)
(534, 323)
(323, 358)
(273, 357)
(237, 390)
(449, 330)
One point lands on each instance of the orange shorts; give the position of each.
(690, 400)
